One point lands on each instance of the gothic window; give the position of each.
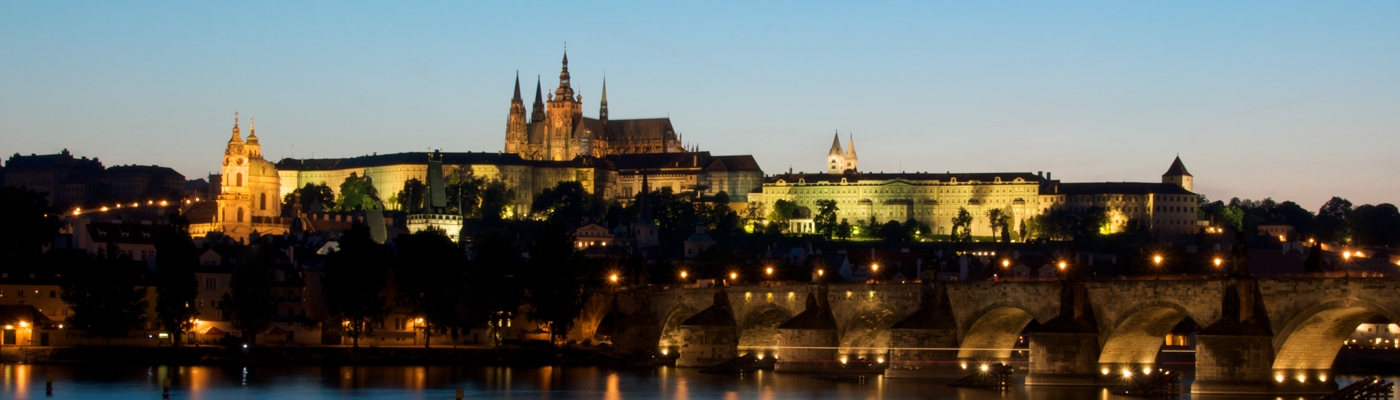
(240, 214)
(262, 201)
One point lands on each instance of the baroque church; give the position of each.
(556, 129)
(249, 199)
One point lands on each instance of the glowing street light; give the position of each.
(821, 272)
(769, 271)
(1006, 263)
(683, 274)
(613, 278)
(733, 276)
(1063, 265)
(1217, 262)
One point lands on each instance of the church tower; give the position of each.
(233, 191)
(1177, 175)
(835, 159)
(565, 110)
(851, 161)
(515, 123)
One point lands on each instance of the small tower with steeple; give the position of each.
(836, 158)
(603, 103)
(1177, 175)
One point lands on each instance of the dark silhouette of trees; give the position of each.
(354, 280)
(314, 197)
(107, 294)
(494, 292)
(430, 275)
(566, 203)
(250, 305)
(962, 226)
(825, 220)
(358, 193)
(1333, 221)
(176, 287)
(410, 198)
(27, 223)
(555, 280)
(843, 230)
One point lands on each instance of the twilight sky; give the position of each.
(1290, 100)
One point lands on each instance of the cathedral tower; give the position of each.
(515, 123)
(565, 110)
(249, 200)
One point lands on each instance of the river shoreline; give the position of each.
(1349, 361)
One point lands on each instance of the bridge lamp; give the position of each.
(821, 272)
(1346, 255)
(734, 276)
(875, 267)
(1006, 263)
(769, 271)
(1157, 259)
(984, 368)
(1217, 262)
(683, 274)
(613, 278)
(1062, 265)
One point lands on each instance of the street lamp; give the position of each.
(1006, 263)
(613, 278)
(1157, 259)
(769, 271)
(683, 274)
(875, 271)
(1217, 262)
(733, 276)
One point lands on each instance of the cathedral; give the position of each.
(556, 129)
(838, 161)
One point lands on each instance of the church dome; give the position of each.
(261, 167)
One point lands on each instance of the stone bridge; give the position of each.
(1259, 335)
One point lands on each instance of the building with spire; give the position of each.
(557, 130)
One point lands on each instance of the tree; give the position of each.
(28, 221)
(893, 232)
(358, 193)
(410, 199)
(994, 220)
(754, 211)
(556, 280)
(496, 200)
(566, 203)
(783, 211)
(1376, 225)
(250, 304)
(314, 197)
(962, 226)
(430, 275)
(843, 231)
(176, 287)
(826, 217)
(106, 294)
(354, 280)
(494, 293)
(1333, 224)
(464, 192)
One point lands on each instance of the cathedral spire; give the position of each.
(851, 148)
(517, 98)
(565, 90)
(252, 131)
(603, 103)
(537, 114)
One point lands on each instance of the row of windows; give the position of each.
(32, 293)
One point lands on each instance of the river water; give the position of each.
(19, 381)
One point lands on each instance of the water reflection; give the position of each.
(440, 382)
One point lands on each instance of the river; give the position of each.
(18, 381)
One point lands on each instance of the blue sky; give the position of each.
(1290, 100)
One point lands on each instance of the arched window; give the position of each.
(240, 214)
(240, 179)
(262, 201)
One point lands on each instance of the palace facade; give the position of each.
(935, 199)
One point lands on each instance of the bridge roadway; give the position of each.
(1259, 335)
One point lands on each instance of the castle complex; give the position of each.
(612, 157)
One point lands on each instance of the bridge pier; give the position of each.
(808, 342)
(711, 336)
(925, 343)
(1236, 354)
(1065, 350)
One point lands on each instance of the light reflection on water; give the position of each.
(441, 382)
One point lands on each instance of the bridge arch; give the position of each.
(1137, 336)
(671, 326)
(1309, 341)
(994, 332)
(758, 328)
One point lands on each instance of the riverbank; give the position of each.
(320, 355)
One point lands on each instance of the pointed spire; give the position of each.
(836, 146)
(537, 114)
(517, 98)
(603, 104)
(1177, 168)
(851, 148)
